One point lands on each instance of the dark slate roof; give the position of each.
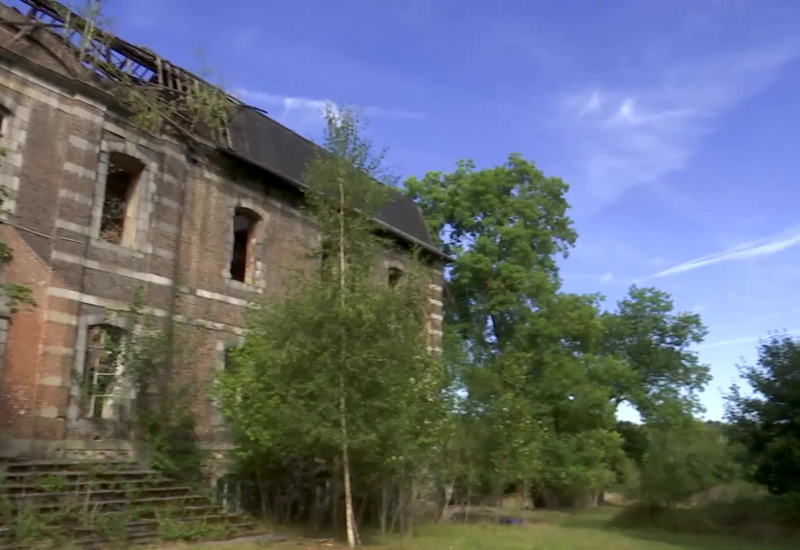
(271, 146)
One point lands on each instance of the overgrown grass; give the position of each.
(543, 531)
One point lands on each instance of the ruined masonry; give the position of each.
(97, 208)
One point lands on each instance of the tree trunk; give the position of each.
(468, 502)
(384, 506)
(412, 500)
(448, 494)
(350, 524)
(398, 508)
(525, 500)
(336, 489)
(362, 509)
(316, 508)
(404, 509)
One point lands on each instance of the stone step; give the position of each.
(82, 485)
(236, 521)
(233, 520)
(61, 465)
(95, 474)
(137, 533)
(119, 503)
(91, 542)
(82, 500)
(74, 520)
(100, 495)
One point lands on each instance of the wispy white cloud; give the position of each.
(745, 340)
(658, 262)
(591, 103)
(305, 112)
(731, 342)
(634, 135)
(753, 249)
(606, 278)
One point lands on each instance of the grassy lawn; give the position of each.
(545, 531)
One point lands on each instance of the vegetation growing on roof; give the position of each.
(157, 95)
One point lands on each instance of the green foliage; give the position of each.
(52, 483)
(537, 374)
(172, 530)
(505, 226)
(28, 526)
(683, 460)
(6, 508)
(654, 342)
(157, 358)
(634, 441)
(340, 348)
(15, 293)
(766, 422)
(114, 526)
(772, 518)
(528, 358)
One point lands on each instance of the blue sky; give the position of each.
(675, 122)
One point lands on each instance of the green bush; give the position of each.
(764, 517)
(682, 461)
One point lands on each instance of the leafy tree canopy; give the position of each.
(766, 420)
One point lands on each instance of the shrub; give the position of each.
(682, 461)
(762, 517)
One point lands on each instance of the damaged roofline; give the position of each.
(152, 62)
(305, 188)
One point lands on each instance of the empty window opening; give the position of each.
(243, 258)
(4, 118)
(229, 363)
(103, 370)
(395, 274)
(120, 203)
(326, 255)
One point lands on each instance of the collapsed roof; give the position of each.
(248, 134)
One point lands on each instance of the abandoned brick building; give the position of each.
(98, 207)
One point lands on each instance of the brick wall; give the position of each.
(60, 144)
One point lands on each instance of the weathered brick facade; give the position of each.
(59, 136)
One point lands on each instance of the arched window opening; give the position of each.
(120, 203)
(243, 257)
(228, 362)
(395, 274)
(103, 370)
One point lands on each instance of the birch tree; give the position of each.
(338, 370)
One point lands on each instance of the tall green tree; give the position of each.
(504, 225)
(538, 391)
(339, 370)
(654, 341)
(766, 420)
(546, 370)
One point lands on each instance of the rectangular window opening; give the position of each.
(102, 370)
(242, 265)
(120, 203)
